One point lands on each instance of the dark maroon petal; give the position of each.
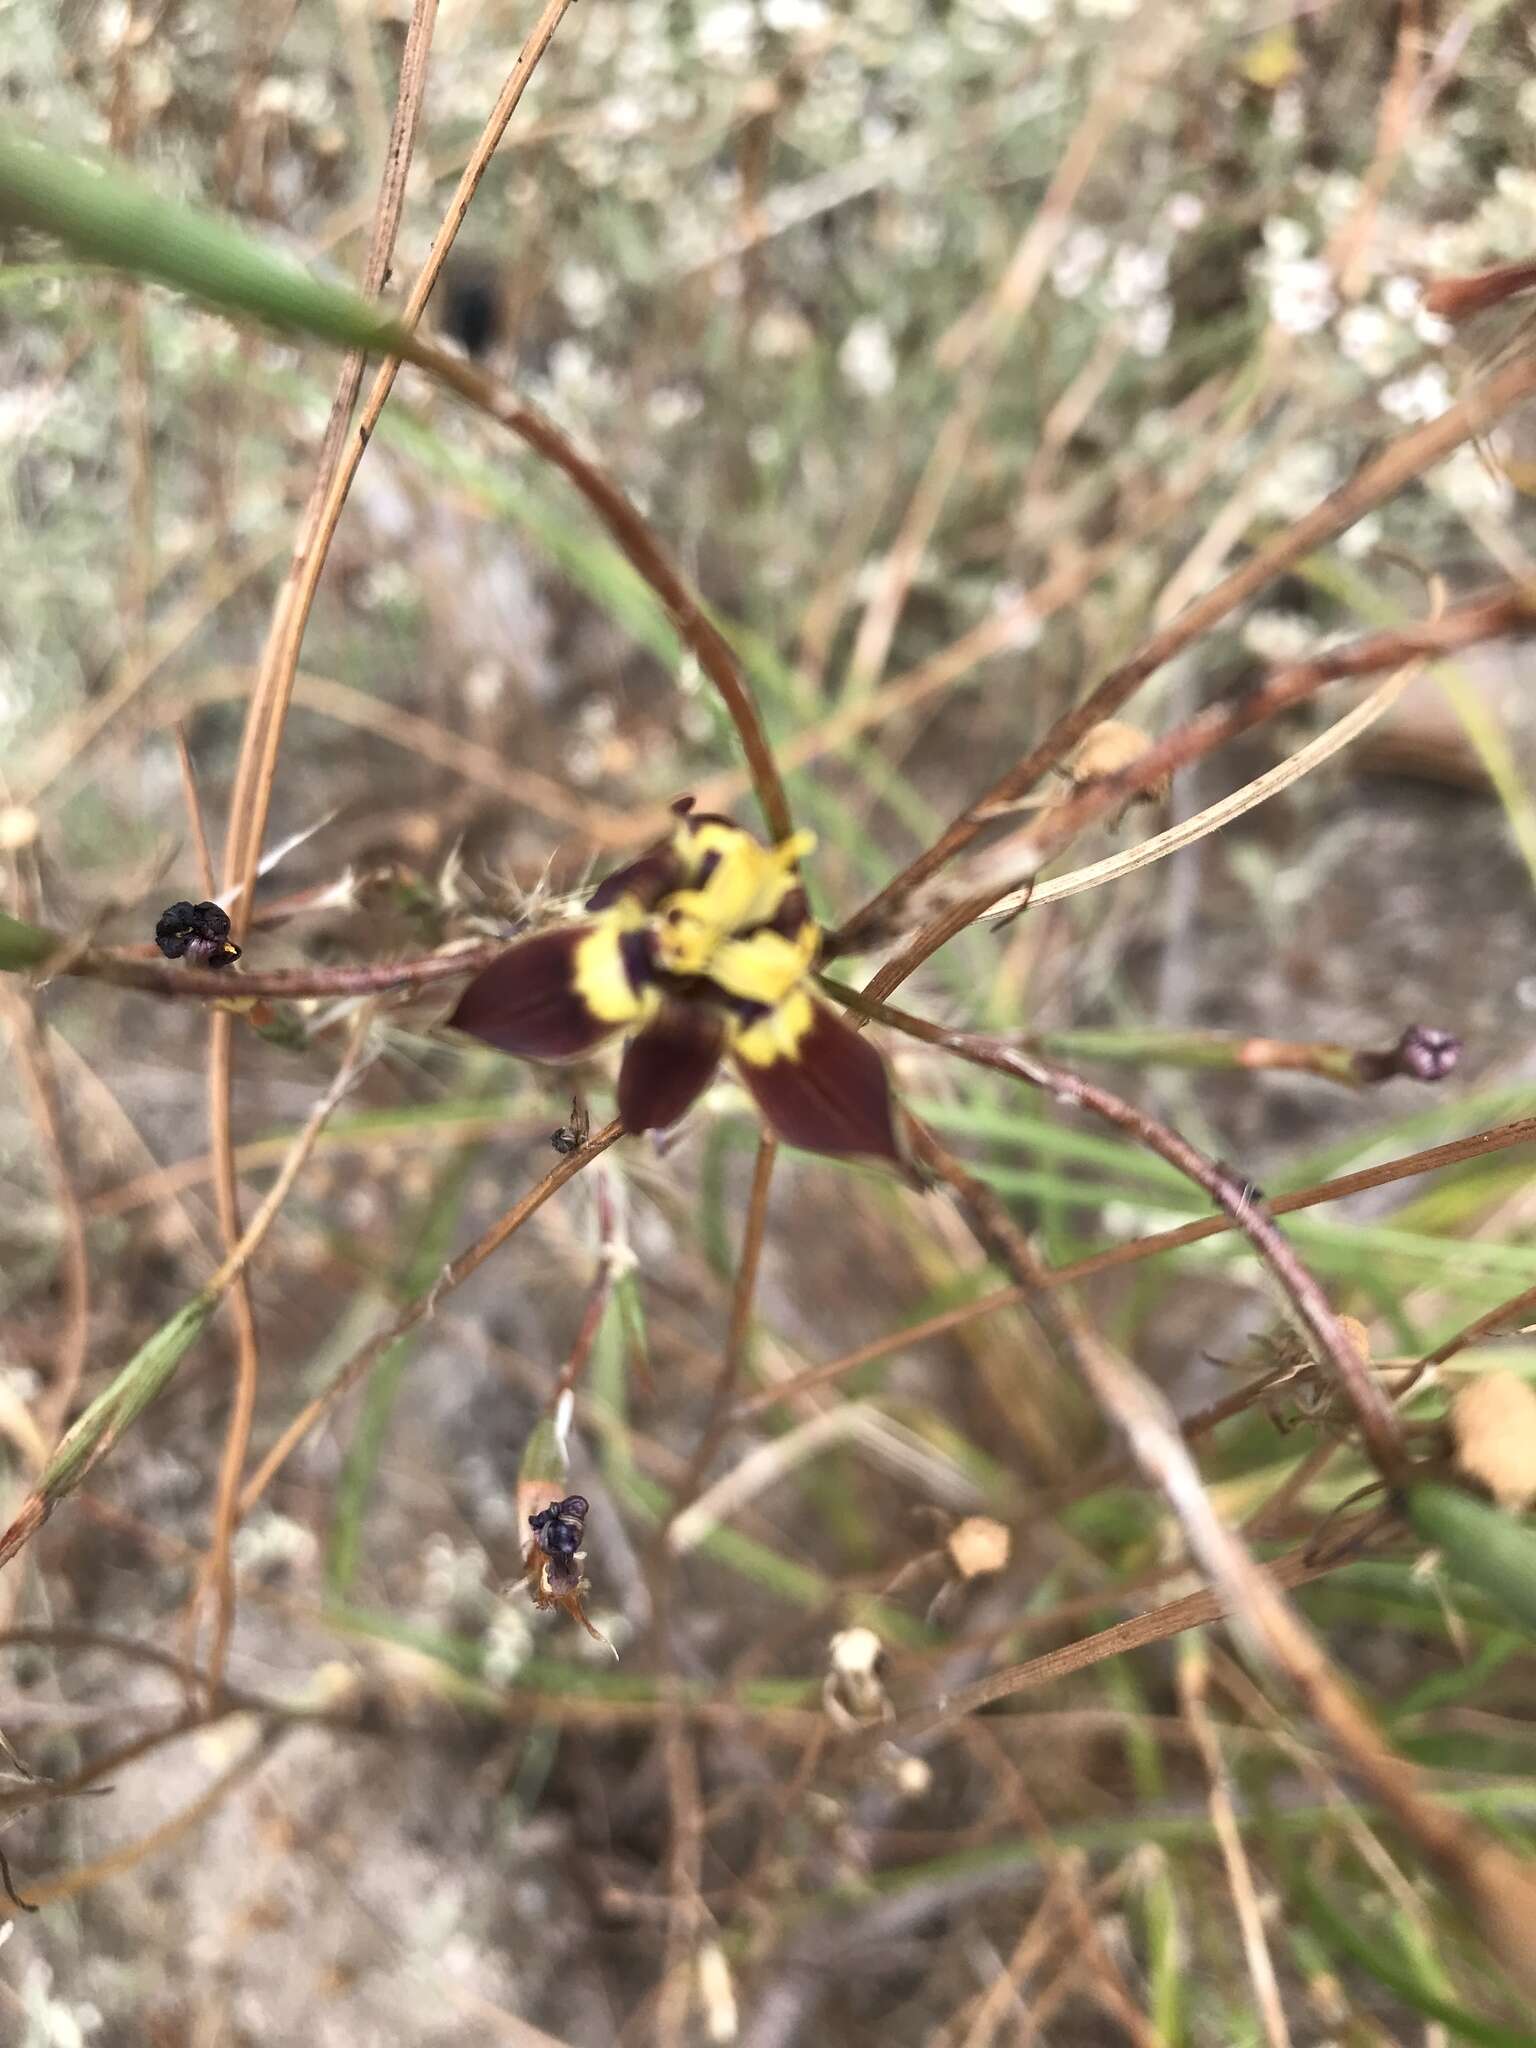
(667, 1066)
(656, 873)
(833, 1095)
(528, 1003)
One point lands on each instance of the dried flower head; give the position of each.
(198, 932)
(702, 949)
(979, 1545)
(853, 1691)
(552, 1569)
(1493, 1431)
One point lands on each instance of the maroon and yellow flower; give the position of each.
(702, 949)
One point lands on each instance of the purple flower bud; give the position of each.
(1423, 1053)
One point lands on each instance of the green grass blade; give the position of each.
(102, 212)
(1481, 1544)
(23, 945)
(1341, 1934)
(120, 1405)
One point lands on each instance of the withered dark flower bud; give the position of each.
(1423, 1053)
(558, 1529)
(472, 305)
(198, 932)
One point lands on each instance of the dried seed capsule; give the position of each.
(198, 932)
(1493, 1427)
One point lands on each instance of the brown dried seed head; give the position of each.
(1109, 748)
(979, 1545)
(1493, 1428)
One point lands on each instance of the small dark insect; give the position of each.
(198, 932)
(573, 1135)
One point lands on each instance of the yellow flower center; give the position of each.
(716, 927)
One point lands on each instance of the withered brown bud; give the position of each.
(1109, 748)
(1423, 1053)
(198, 932)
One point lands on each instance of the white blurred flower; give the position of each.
(1469, 480)
(795, 17)
(669, 405)
(1423, 396)
(1285, 239)
(1010, 601)
(1078, 261)
(727, 33)
(1299, 479)
(626, 115)
(1359, 539)
(1301, 298)
(1184, 212)
(1151, 328)
(585, 292)
(1288, 116)
(506, 1645)
(1136, 274)
(1279, 636)
(867, 359)
(1431, 329)
(1368, 338)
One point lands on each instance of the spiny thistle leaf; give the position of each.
(102, 212)
(1482, 1544)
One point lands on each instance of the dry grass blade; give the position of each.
(1215, 816)
(1493, 1884)
(1194, 1681)
(251, 798)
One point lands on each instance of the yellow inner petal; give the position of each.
(600, 976)
(779, 1035)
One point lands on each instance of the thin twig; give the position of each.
(249, 804)
(733, 1358)
(1479, 1145)
(1379, 479)
(362, 1361)
(1380, 1427)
